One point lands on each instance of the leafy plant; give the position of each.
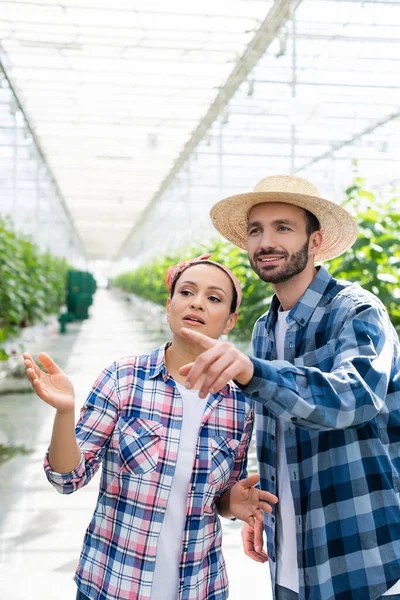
(373, 261)
(32, 283)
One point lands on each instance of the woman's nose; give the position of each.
(197, 304)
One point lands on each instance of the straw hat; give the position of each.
(230, 216)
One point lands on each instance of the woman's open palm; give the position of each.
(53, 387)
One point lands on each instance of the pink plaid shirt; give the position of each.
(131, 424)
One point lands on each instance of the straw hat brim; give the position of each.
(230, 218)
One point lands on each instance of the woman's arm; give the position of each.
(75, 455)
(57, 390)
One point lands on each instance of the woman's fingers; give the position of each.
(31, 374)
(29, 362)
(49, 364)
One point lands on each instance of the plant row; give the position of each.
(373, 262)
(32, 283)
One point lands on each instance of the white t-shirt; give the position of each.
(286, 551)
(286, 556)
(169, 546)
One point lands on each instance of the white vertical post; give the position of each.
(294, 85)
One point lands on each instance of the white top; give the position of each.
(169, 546)
(286, 550)
(286, 556)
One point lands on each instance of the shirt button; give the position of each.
(272, 477)
(293, 419)
(139, 430)
(273, 559)
(193, 487)
(272, 437)
(197, 455)
(273, 519)
(185, 549)
(290, 344)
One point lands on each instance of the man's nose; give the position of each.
(267, 240)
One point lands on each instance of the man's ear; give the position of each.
(231, 322)
(315, 243)
(168, 307)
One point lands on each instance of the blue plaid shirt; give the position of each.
(338, 393)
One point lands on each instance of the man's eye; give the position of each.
(254, 231)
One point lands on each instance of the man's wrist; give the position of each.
(246, 376)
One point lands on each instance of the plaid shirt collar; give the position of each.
(303, 309)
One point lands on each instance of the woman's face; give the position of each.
(202, 301)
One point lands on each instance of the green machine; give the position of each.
(81, 287)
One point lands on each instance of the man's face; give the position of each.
(277, 241)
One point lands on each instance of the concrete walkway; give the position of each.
(41, 531)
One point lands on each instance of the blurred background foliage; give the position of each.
(32, 283)
(373, 262)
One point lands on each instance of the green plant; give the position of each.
(32, 283)
(373, 261)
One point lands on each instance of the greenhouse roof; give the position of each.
(147, 113)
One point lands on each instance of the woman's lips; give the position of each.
(193, 320)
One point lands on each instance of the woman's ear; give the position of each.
(231, 322)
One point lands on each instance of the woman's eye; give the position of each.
(214, 299)
(186, 292)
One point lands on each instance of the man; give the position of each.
(325, 381)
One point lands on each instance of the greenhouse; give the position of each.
(122, 123)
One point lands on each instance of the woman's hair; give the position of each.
(212, 264)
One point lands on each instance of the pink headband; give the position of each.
(173, 272)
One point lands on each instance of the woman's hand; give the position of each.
(53, 387)
(247, 502)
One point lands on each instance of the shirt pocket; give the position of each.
(139, 442)
(223, 455)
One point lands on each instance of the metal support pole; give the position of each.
(294, 90)
(15, 170)
(36, 218)
(220, 156)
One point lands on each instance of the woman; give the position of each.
(171, 460)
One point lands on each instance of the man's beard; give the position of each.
(295, 265)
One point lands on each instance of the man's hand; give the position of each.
(220, 363)
(247, 502)
(252, 538)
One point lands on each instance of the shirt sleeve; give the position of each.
(351, 394)
(93, 433)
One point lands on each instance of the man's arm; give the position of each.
(351, 394)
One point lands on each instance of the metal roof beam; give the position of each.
(279, 14)
(3, 69)
(358, 136)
